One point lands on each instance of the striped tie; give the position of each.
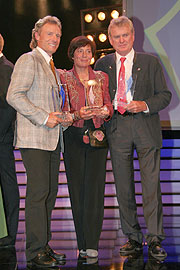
(121, 94)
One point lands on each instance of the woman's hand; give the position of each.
(86, 113)
(103, 112)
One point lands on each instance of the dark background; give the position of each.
(17, 19)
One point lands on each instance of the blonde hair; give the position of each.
(120, 21)
(39, 24)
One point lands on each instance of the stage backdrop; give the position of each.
(157, 25)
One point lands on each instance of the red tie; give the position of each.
(121, 94)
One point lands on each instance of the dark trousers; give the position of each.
(42, 168)
(10, 191)
(127, 136)
(86, 170)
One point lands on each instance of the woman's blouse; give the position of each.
(94, 92)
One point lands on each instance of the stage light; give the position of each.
(102, 55)
(114, 14)
(92, 61)
(95, 22)
(101, 16)
(88, 18)
(102, 37)
(90, 37)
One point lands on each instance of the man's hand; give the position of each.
(136, 106)
(56, 118)
(53, 119)
(67, 119)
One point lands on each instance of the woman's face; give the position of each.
(82, 56)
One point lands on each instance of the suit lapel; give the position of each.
(1, 59)
(45, 66)
(112, 74)
(49, 74)
(135, 73)
(112, 69)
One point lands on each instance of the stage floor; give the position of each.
(63, 231)
(11, 259)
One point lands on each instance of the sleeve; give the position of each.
(21, 83)
(7, 113)
(106, 95)
(162, 96)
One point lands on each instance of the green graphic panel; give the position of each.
(151, 33)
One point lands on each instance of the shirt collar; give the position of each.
(129, 56)
(1, 55)
(44, 54)
(91, 72)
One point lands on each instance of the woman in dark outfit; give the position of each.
(86, 165)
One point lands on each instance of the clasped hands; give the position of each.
(56, 118)
(88, 112)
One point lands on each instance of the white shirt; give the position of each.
(128, 63)
(44, 54)
(1, 55)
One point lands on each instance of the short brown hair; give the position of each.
(1, 42)
(80, 41)
(39, 24)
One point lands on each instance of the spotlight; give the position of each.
(102, 55)
(88, 18)
(92, 61)
(95, 22)
(90, 37)
(114, 14)
(102, 37)
(101, 16)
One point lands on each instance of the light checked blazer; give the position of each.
(33, 93)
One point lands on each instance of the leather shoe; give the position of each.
(83, 253)
(134, 261)
(43, 259)
(30, 267)
(131, 247)
(55, 255)
(153, 264)
(157, 251)
(92, 253)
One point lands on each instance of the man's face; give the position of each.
(48, 38)
(122, 39)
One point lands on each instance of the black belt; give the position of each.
(126, 113)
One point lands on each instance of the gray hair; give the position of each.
(1, 42)
(39, 24)
(120, 21)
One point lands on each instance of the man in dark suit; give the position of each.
(135, 125)
(8, 179)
